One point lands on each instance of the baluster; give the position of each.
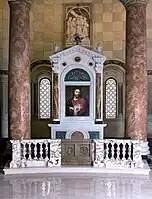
(123, 151)
(112, 150)
(30, 157)
(24, 153)
(41, 150)
(118, 152)
(129, 151)
(46, 151)
(24, 150)
(107, 151)
(35, 151)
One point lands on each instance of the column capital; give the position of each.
(127, 3)
(28, 3)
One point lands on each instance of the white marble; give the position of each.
(78, 169)
(26, 153)
(107, 153)
(74, 186)
(83, 124)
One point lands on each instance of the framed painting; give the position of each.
(77, 100)
(78, 24)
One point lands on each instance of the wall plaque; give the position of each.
(78, 22)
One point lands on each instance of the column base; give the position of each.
(56, 121)
(98, 121)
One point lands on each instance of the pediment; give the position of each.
(77, 49)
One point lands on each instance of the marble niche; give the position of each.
(77, 94)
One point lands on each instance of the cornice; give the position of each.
(28, 3)
(127, 3)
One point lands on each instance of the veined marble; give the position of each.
(76, 186)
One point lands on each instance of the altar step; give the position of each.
(78, 169)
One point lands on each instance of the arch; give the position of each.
(110, 98)
(44, 97)
(77, 74)
(39, 69)
(114, 62)
(40, 62)
(115, 69)
(90, 71)
(84, 133)
(63, 84)
(77, 135)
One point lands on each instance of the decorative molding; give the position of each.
(55, 153)
(97, 60)
(27, 3)
(77, 74)
(127, 3)
(4, 72)
(122, 64)
(99, 155)
(115, 62)
(98, 67)
(79, 49)
(40, 62)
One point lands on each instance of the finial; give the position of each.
(56, 48)
(98, 49)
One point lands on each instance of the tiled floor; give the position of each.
(76, 187)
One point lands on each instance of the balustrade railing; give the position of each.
(115, 153)
(29, 153)
(108, 153)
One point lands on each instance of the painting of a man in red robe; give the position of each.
(77, 105)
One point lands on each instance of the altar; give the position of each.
(77, 94)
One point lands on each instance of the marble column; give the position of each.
(98, 96)
(55, 97)
(136, 70)
(19, 65)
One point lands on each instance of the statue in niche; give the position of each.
(78, 22)
(77, 105)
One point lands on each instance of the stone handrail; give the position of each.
(115, 153)
(41, 152)
(108, 153)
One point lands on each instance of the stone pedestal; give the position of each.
(19, 82)
(136, 70)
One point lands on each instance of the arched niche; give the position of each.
(73, 77)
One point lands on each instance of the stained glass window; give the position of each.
(44, 98)
(111, 98)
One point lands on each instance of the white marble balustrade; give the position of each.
(108, 153)
(36, 153)
(114, 153)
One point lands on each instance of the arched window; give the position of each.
(44, 106)
(111, 98)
